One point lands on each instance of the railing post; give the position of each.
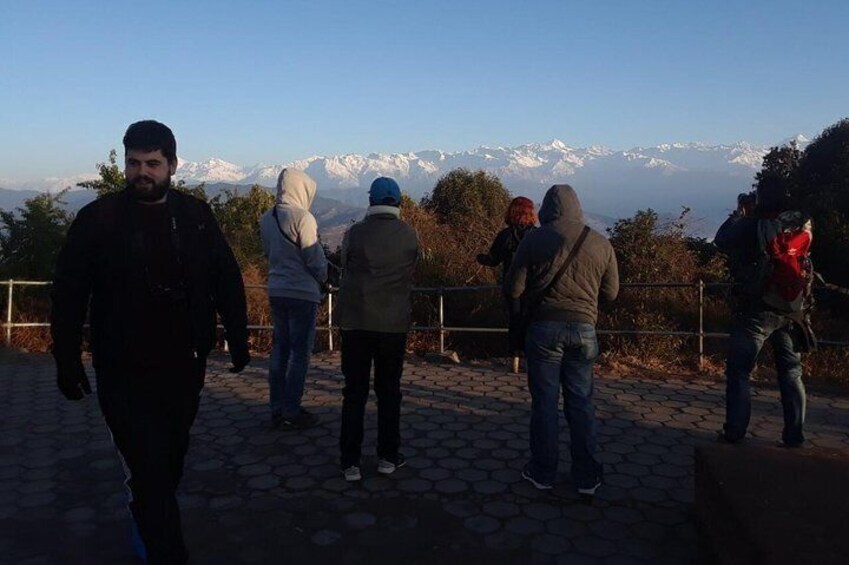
(9, 315)
(701, 324)
(441, 321)
(330, 321)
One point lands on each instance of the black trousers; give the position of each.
(149, 413)
(361, 348)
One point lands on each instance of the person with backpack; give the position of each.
(558, 275)
(768, 248)
(521, 219)
(297, 274)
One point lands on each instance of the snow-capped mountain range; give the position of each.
(540, 163)
(614, 183)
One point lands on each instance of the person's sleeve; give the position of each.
(610, 280)
(496, 252)
(735, 232)
(515, 280)
(311, 250)
(72, 284)
(229, 289)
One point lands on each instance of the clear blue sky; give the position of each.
(272, 81)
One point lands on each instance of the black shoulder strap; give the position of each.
(569, 258)
(286, 236)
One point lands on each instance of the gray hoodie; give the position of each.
(593, 271)
(297, 267)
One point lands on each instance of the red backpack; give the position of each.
(788, 274)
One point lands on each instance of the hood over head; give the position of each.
(295, 188)
(560, 204)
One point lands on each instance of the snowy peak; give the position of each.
(211, 170)
(524, 167)
(799, 139)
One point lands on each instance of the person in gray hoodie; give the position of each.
(297, 273)
(560, 342)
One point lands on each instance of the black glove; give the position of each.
(71, 378)
(240, 357)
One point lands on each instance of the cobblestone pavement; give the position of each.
(254, 495)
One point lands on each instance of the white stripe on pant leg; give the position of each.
(127, 473)
(136, 535)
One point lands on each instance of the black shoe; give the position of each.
(722, 437)
(302, 421)
(526, 474)
(276, 420)
(788, 445)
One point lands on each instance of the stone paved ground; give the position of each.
(253, 495)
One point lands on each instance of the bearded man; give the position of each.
(153, 268)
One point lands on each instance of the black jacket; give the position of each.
(737, 237)
(504, 247)
(99, 268)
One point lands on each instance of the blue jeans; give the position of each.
(294, 337)
(749, 331)
(562, 353)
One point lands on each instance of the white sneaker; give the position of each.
(387, 467)
(352, 474)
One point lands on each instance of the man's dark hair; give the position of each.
(150, 135)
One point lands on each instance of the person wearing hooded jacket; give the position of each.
(561, 344)
(297, 273)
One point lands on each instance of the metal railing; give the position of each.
(443, 330)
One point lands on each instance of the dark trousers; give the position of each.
(360, 349)
(150, 413)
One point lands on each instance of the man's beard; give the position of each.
(153, 194)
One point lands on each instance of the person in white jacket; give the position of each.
(297, 273)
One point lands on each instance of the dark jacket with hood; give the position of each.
(592, 274)
(101, 268)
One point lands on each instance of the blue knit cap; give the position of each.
(385, 191)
